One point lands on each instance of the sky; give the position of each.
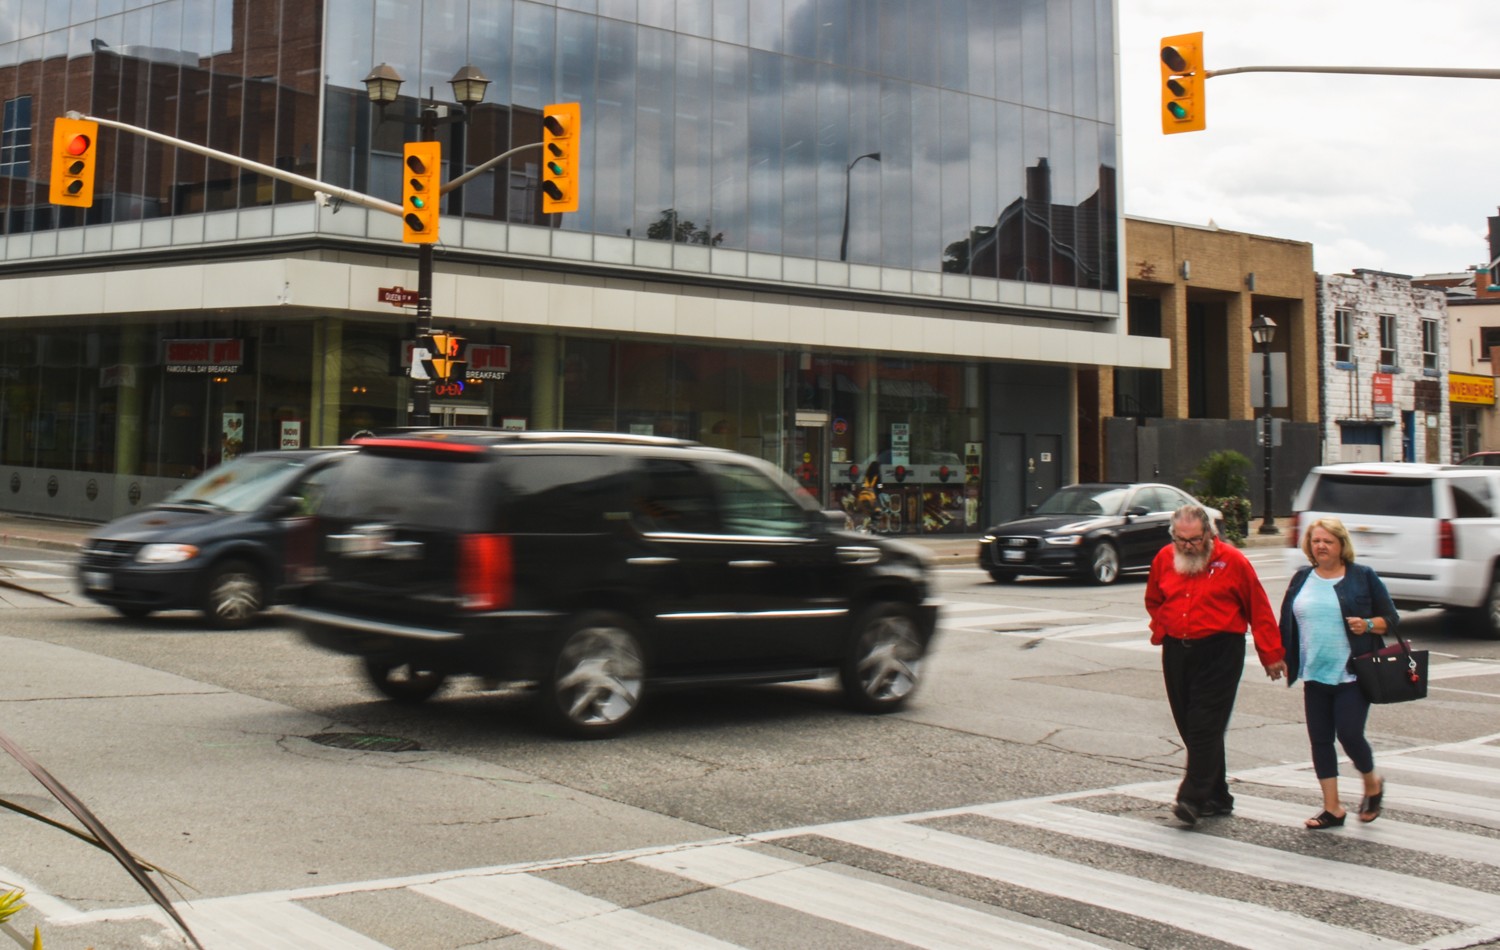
(1392, 173)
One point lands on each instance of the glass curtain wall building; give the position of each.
(827, 232)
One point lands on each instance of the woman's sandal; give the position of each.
(1325, 819)
(1370, 805)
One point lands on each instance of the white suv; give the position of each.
(1430, 531)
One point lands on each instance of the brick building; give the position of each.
(1199, 288)
(1385, 345)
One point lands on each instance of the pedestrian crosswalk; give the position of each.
(1117, 630)
(1106, 867)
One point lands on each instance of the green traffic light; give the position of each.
(1178, 112)
(555, 168)
(418, 202)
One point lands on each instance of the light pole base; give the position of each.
(1268, 527)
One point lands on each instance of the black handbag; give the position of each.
(1396, 674)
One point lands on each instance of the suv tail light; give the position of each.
(485, 572)
(1291, 530)
(1447, 547)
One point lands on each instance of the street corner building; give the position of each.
(827, 235)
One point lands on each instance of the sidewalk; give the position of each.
(945, 549)
(43, 532)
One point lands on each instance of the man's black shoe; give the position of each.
(1186, 812)
(1212, 808)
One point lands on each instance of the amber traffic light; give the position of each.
(420, 182)
(1184, 108)
(75, 145)
(560, 135)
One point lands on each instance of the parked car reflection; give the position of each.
(1097, 530)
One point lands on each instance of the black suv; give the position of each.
(594, 567)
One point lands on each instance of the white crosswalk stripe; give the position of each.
(787, 874)
(560, 917)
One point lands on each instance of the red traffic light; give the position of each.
(78, 144)
(853, 472)
(900, 473)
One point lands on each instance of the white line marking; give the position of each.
(561, 917)
(854, 902)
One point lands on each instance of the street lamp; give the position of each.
(383, 85)
(1263, 331)
(848, 170)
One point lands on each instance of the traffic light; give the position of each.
(446, 356)
(1184, 108)
(560, 134)
(75, 144)
(419, 192)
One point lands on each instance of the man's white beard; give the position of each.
(1192, 563)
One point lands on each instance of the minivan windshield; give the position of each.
(242, 485)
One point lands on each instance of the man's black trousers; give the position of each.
(1202, 677)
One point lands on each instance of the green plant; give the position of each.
(1219, 481)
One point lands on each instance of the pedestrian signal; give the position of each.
(445, 356)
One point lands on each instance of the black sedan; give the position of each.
(1098, 530)
(217, 545)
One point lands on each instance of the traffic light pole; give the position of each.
(1437, 72)
(421, 387)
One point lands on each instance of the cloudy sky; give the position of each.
(1384, 172)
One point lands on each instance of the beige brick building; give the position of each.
(1199, 288)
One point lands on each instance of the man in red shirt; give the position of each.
(1202, 596)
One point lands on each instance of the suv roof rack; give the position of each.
(491, 434)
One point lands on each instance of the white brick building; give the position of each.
(1384, 346)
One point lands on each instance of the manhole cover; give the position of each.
(364, 742)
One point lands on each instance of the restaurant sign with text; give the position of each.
(220, 357)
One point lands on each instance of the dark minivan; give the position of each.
(596, 567)
(217, 545)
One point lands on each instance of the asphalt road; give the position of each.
(1018, 801)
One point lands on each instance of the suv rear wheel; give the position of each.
(884, 661)
(1489, 611)
(594, 688)
(234, 596)
(403, 681)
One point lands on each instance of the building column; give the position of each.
(1174, 327)
(325, 381)
(1239, 310)
(546, 382)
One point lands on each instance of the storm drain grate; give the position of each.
(364, 742)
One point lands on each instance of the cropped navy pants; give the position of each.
(1337, 712)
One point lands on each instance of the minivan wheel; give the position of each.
(1104, 566)
(594, 687)
(403, 680)
(234, 596)
(883, 664)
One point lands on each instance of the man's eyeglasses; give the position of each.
(1189, 541)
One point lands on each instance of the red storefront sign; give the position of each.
(1381, 388)
(204, 356)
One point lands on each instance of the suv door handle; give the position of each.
(752, 564)
(651, 561)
